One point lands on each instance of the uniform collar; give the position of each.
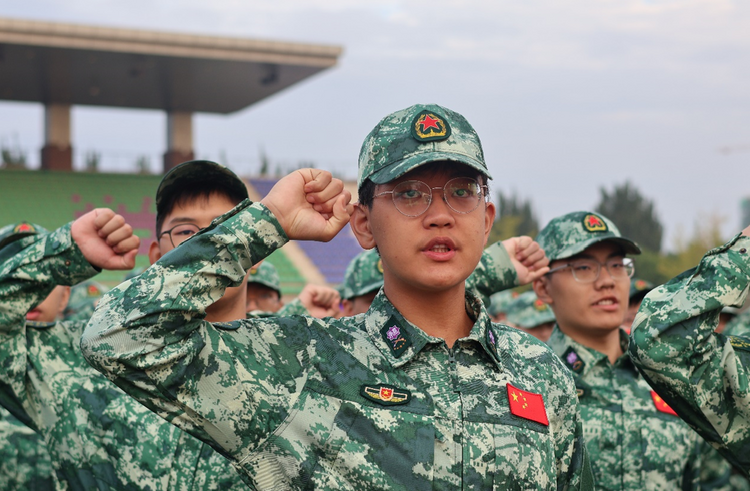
(581, 359)
(400, 341)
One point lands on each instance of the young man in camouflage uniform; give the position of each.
(702, 374)
(98, 437)
(635, 440)
(420, 392)
(531, 315)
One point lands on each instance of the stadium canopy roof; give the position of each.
(56, 63)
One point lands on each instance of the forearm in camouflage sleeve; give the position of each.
(494, 273)
(148, 334)
(702, 375)
(27, 276)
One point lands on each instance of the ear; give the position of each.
(360, 225)
(347, 307)
(154, 252)
(489, 219)
(541, 288)
(64, 298)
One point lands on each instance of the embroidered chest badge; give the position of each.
(428, 126)
(574, 362)
(661, 405)
(527, 405)
(387, 395)
(395, 337)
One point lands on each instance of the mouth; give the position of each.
(607, 303)
(441, 248)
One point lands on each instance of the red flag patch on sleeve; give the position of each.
(661, 405)
(527, 405)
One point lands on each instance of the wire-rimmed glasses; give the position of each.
(587, 270)
(413, 198)
(180, 233)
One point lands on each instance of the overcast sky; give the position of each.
(566, 96)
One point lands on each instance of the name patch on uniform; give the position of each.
(661, 405)
(527, 405)
(428, 126)
(387, 395)
(395, 337)
(574, 362)
(593, 223)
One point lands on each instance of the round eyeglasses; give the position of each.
(413, 198)
(180, 233)
(587, 270)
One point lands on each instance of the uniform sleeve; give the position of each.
(494, 273)
(294, 307)
(30, 269)
(229, 384)
(702, 375)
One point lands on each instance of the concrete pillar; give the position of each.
(57, 154)
(179, 139)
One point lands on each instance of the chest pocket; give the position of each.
(331, 443)
(523, 458)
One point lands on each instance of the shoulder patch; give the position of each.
(574, 362)
(739, 343)
(386, 395)
(593, 223)
(428, 126)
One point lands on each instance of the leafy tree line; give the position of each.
(635, 217)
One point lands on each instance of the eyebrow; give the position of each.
(178, 220)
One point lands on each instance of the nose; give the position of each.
(605, 279)
(439, 214)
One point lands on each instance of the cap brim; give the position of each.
(394, 171)
(628, 246)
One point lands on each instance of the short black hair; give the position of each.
(366, 192)
(192, 190)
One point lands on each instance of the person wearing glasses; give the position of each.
(636, 441)
(422, 391)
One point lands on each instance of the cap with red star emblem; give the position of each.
(593, 223)
(15, 231)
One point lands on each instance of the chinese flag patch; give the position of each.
(527, 405)
(661, 405)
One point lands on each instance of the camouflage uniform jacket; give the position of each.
(704, 376)
(632, 442)
(25, 464)
(98, 437)
(368, 401)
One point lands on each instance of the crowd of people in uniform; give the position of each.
(427, 368)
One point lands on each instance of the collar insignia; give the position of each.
(395, 337)
(428, 126)
(539, 305)
(39, 324)
(387, 395)
(574, 362)
(593, 223)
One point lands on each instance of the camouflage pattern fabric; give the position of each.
(499, 301)
(265, 275)
(739, 326)
(97, 436)
(528, 311)
(634, 442)
(364, 274)
(367, 402)
(702, 375)
(83, 298)
(639, 287)
(25, 464)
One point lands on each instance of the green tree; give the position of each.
(633, 214)
(12, 158)
(515, 217)
(265, 163)
(143, 164)
(91, 161)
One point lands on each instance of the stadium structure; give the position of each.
(61, 65)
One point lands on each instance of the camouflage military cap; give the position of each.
(500, 301)
(196, 171)
(15, 231)
(265, 275)
(639, 288)
(415, 136)
(571, 234)
(83, 298)
(364, 274)
(528, 311)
